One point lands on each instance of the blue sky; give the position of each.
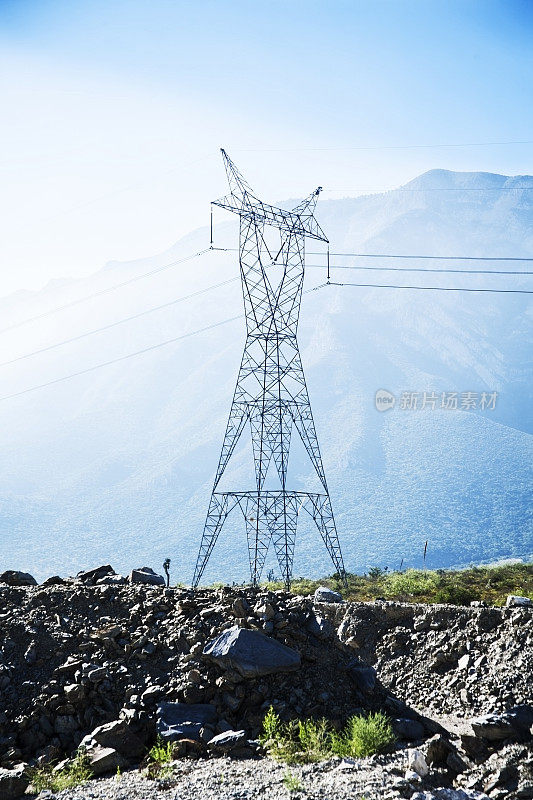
(115, 111)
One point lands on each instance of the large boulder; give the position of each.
(251, 653)
(92, 575)
(103, 760)
(14, 577)
(177, 721)
(119, 735)
(362, 675)
(325, 595)
(517, 601)
(146, 575)
(408, 729)
(512, 724)
(13, 783)
(228, 741)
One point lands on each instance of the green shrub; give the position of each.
(412, 583)
(313, 739)
(75, 773)
(363, 736)
(307, 741)
(490, 584)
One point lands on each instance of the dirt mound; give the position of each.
(79, 654)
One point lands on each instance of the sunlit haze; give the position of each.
(113, 113)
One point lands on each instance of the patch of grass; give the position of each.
(308, 741)
(411, 583)
(490, 584)
(75, 773)
(292, 782)
(363, 736)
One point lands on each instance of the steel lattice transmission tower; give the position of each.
(271, 393)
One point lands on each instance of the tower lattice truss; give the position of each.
(271, 393)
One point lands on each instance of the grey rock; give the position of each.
(251, 653)
(105, 759)
(240, 607)
(111, 580)
(119, 735)
(15, 578)
(146, 575)
(364, 677)
(177, 721)
(320, 627)
(93, 575)
(325, 595)
(417, 763)
(230, 740)
(53, 580)
(512, 724)
(151, 694)
(513, 601)
(13, 783)
(98, 674)
(408, 729)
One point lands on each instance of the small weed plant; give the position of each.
(75, 773)
(162, 752)
(307, 741)
(292, 782)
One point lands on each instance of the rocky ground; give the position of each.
(106, 662)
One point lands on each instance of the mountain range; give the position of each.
(116, 464)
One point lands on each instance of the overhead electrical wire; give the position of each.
(407, 255)
(128, 355)
(435, 189)
(108, 289)
(119, 359)
(240, 316)
(422, 269)
(427, 258)
(119, 322)
(426, 288)
(176, 262)
(381, 147)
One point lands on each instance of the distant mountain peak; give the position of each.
(447, 179)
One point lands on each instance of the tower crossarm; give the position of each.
(260, 212)
(242, 201)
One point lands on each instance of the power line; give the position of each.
(438, 189)
(382, 147)
(206, 250)
(106, 290)
(119, 359)
(426, 288)
(119, 322)
(232, 319)
(432, 258)
(422, 269)
(409, 255)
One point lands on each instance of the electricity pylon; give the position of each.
(271, 393)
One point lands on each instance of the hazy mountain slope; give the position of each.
(117, 464)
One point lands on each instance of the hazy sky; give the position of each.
(113, 111)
